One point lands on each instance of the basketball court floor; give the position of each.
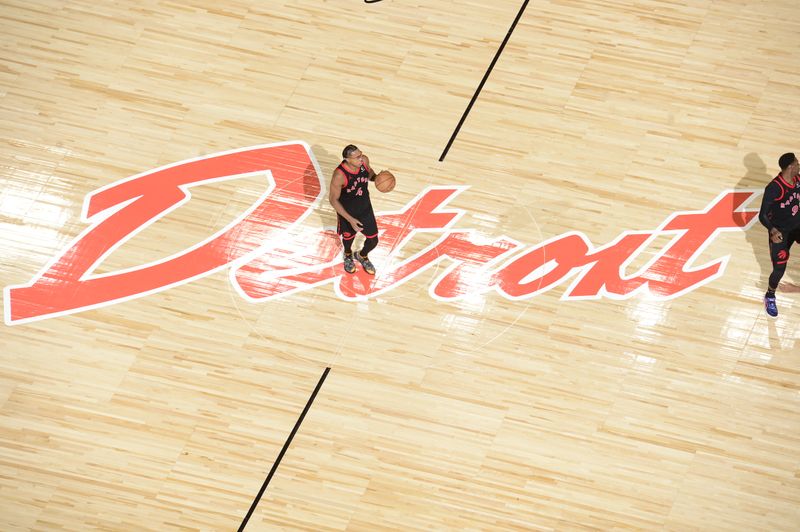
(565, 330)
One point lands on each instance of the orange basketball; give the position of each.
(385, 181)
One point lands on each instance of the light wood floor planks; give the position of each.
(484, 412)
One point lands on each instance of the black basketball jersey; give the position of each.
(780, 206)
(355, 191)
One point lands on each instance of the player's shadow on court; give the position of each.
(327, 162)
(757, 178)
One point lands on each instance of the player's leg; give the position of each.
(779, 254)
(370, 232)
(348, 234)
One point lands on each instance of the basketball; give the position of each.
(384, 181)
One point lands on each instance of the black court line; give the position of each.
(283, 451)
(483, 81)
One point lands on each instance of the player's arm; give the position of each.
(767, 201)
(372, 173)
(334, 192)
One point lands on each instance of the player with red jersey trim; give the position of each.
(349, 196)
(780, 214)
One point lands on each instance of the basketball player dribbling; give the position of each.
(349, 196)
(780, 214)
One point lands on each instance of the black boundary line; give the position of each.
(483, 81)
(283, 451)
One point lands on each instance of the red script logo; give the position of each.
(265, 264)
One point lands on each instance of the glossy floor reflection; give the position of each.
(565, 329)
